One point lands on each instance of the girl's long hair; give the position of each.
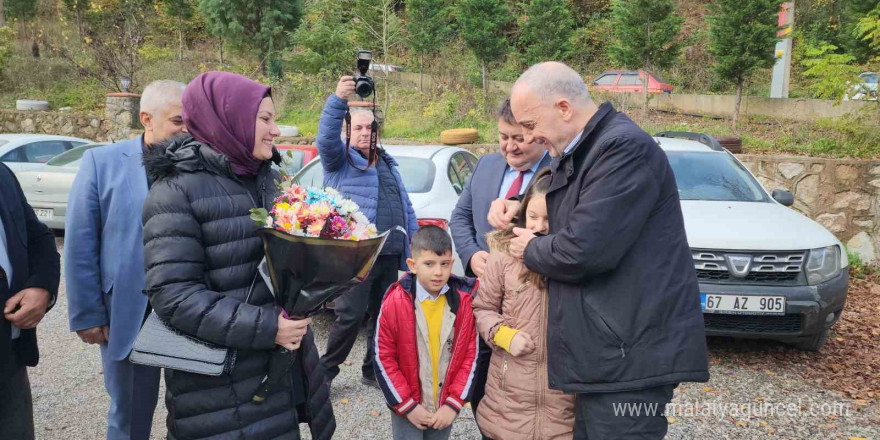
(500, 240)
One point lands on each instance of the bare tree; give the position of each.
(377, 20)
(111, 41)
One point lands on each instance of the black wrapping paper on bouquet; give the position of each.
(306, 273)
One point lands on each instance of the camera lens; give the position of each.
(363, 87)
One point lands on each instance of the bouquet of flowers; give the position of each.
(318, 245)
(313, 212)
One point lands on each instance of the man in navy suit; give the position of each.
(498, 175)
(104, 259)
(29, 273)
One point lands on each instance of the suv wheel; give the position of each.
(814, 342)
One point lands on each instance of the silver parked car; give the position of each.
(47, 188)
(434, 177)
(25, 152)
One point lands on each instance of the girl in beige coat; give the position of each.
(511, 313)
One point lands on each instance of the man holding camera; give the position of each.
(367, 175)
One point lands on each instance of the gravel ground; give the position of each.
(70, 402)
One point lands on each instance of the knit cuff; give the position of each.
(504, 336)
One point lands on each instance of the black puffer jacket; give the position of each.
(201, 253)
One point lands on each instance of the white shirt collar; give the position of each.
(422, 294)
(573, 143)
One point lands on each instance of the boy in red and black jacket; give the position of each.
(426, 341)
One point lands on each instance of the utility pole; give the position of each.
(782, 68)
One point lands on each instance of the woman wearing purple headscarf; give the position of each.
(201, 253)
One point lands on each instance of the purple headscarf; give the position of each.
(220, 109)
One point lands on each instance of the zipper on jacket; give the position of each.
(520, 289)
(541, 368)
(503, 373)
(262, 196)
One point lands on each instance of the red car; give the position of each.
(630, 81)
(295, 157)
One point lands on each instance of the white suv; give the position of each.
(765, 270)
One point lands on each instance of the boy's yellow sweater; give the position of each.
(433, 310)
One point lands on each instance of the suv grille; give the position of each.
(749, 267)
(753, 323)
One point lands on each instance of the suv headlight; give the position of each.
(823, 264)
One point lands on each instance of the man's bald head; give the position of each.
(551, 80)
(551, 102)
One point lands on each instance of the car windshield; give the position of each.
(658, 78)
(71, 158)
(713, 176)
(417, 174)
(870, 78)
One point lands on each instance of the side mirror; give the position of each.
(782, 196)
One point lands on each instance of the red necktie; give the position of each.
(516, 186)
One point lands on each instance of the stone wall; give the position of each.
(841, 194)
(53, 122)
(119, 121)
(775, 108)
(121, 110)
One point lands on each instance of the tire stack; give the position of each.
(458, 136)
(732, 144)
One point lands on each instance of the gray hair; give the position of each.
(160, 94)
(553, 79)
(360, 111)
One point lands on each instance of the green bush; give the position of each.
(82, 95)
(859, 268)
(7, 46)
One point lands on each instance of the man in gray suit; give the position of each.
(498, 175)
(504, 175)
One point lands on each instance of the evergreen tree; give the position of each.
(325, 39)
(742, 38)
(546, 30)
(646, 33)
(429, 27)
(257, 26)
(868, 30)
(853, 12)
(481, 26)
(182, 11)
(22, 10)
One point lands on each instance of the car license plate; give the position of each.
(44, 214)
(742, 304)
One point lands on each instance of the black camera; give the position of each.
(363, 84)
